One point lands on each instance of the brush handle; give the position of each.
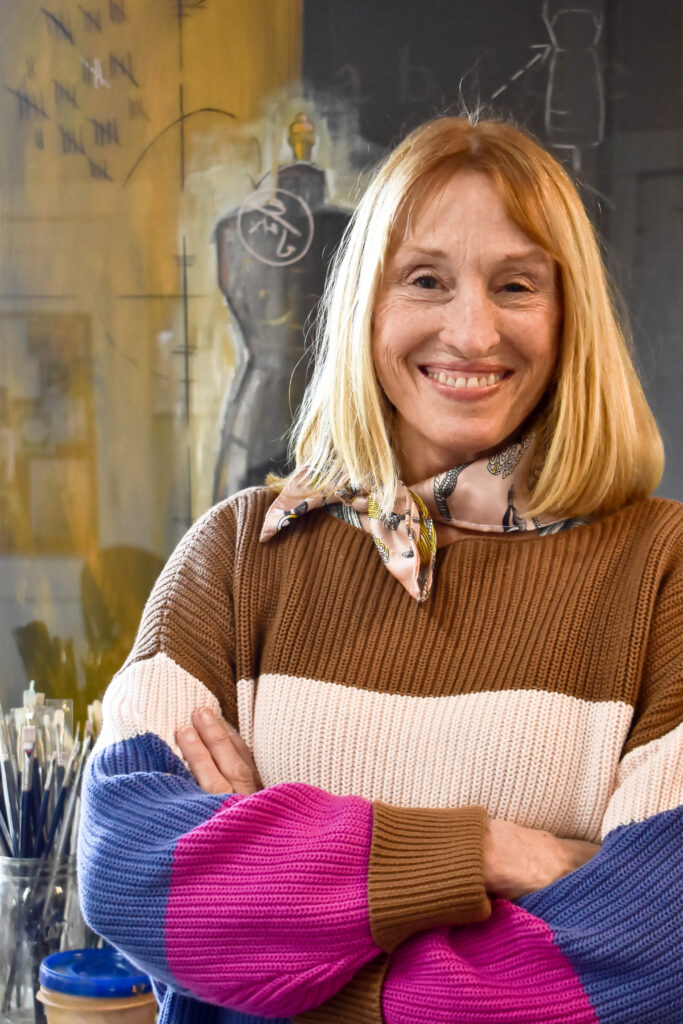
(56, 818)
(40, 823)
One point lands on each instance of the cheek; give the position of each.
(552, 349)
(387, 348)
(542, 347)
(386, 368)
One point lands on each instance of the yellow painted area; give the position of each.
(115, 157)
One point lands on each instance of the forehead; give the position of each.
(455, 208)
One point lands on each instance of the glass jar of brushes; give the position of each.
(42, 760)
(40, 915)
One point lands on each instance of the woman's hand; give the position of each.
(217, 756)
(520, 860)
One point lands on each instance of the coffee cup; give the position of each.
(95, 986)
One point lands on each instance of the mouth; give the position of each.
(466, 384)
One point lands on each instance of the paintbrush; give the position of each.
(8, 790)
(6, 839)
(65, 829)
(42, 812)
(60, 801)
(28, 741)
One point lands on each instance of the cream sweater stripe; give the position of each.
(544, 760)
(159, 696)
(649, 780)
(152, 696)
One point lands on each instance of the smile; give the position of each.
(467, 381)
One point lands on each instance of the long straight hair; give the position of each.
(598, 446)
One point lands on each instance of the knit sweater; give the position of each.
(542, 682)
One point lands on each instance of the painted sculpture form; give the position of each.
(272, 258)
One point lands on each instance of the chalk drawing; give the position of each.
(95, 70)
(117, 13)
(92, 19)
(136, 108)
(122, 66)
(70, 144)
(574, 35)
(58, 26)
(177, 122)
(545, 47)
(63, 94)
(29, 106)
(275, 226)
(105, 132)
(98, 170)
(574, 109)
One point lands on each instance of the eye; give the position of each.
(425, 281)
(516, 287)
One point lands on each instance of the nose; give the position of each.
(470, 324)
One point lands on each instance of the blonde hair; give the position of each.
(597, 441)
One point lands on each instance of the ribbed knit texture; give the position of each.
(354, 1003)
(542, 682)
(510, 971)
(416, 854)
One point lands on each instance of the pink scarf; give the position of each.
(485, 495)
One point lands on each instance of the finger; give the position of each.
(244, 752)
(222, 743)
(219, 738)
(213, 728)
(200, 762)
(205, 725)
(241, 747)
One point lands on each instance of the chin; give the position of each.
(467, 447)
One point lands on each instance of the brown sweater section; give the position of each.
(189, 615)
(568, 613)
(659, 699)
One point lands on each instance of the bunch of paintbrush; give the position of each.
(42, 760)
(41, 768)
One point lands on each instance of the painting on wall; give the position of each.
(48, 498)
(132, 131)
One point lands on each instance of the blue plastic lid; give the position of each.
(94, 973)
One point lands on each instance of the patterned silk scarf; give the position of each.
(485, 495)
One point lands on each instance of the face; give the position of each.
(466, 328)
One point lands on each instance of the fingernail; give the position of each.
(207, 716)
(188, 734)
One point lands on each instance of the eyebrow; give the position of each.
(535, 255)
(419, 250)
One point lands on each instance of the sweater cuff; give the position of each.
(358, 1002)
(426, 870)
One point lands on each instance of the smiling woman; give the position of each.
(346, 776)
(596, 443)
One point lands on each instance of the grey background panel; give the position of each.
(598, 82)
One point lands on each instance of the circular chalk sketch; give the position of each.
(276, 226)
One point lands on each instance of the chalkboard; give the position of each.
(599, 83)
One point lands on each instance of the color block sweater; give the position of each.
(541, 682)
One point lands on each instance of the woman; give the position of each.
(441, 739)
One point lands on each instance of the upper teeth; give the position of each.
(465, 382)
